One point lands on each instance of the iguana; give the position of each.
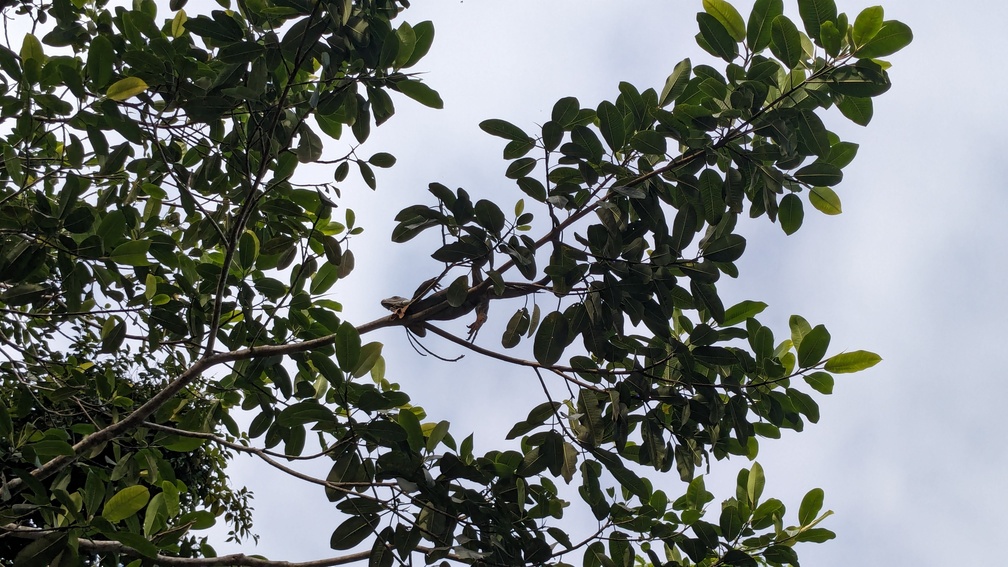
(435, 307)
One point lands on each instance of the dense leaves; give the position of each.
(166, 263)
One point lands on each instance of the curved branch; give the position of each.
(556, 369)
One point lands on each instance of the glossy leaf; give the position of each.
(790, 213)
(867, 25)
(785, 42)
(676, 82)
(741, 311)
(551, 339)
(125, 503)
(814, 13)
(893, 36)
(421, 93)
(126, 88)
(717, 38)
(825, 200)
(811, 504)
(611, 126)
(820, 173)
(728, 16)
(859, 110)
(503, 129)
(813, 346)
(760, 23)
(853, 361)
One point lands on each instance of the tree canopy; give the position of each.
(166, 264)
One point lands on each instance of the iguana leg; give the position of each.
(481, 316)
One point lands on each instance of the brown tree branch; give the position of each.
(236, 559)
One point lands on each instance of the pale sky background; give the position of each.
(906, 452)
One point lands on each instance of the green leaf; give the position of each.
(867, 25)
(248, 249)
(842, 153)
(810, 506)
(489, 216)
(760, 21)
(825, 200)
(41, 552)
(820, 173)
(611, 125)
(324, 278)
(814, 535)
(676, 82)
(813, 347)
(821, 382)
(812, 133)
(785, 42)
(504, 129)
(126, 88)
(12, 163)
(727, 249)
(424, 37)
(516, 327)
(853, 361)
(742, 311)
(414, 432)
(99, 62)
(717, 38)
(348, 346)
(382, 159)
(369, 355)
(309, 148)
(831, 38)
(178, 24)
(24, 294)
(113, 334)
(814, 13)
(421, 93)
(352, 531)
(649, 142)
(893, 36)
(754, 485)
(565, 112)
(804, 404)
(551, 339)
(125, 503)
(790, 213)
(707, 295)
(31, 49)
(863, 79)
(131, 253)
(711, 196)
(858, 110)
(728, 16)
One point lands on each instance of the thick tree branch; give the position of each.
(235, 559)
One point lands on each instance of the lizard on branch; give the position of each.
(436, 306)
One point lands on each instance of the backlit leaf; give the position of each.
(125, 503)
(825, 200)
(126, 88)
(728, 16)
(853, 361)
(760, 21)
(893, 36)
(867, 25)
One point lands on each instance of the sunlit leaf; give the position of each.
(126, 88)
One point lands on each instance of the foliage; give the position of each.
(163, 265)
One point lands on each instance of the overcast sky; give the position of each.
(909, 453)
